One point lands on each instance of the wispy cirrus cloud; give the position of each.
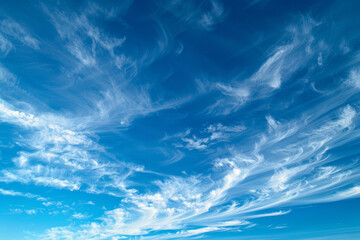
(206, 137)
(305, 169)
(20, 194)
(203, 14)
(283, 62)
(76, 30)
(114, 98)
(5, 45)
(51, 151)
(26, 211)
(200, 200)
(7, 77)
(17, 32)
(125, 144)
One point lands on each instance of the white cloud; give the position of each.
(5, 45)
(90, 51)
(6, 76)
(26, 211)
(284, 166)
(195, 143)
(58, 148)
(9, 115)
(280, 65)
(79, 216)
(16, 31)
(210, 135)
(204, 15)
(272, 122)
(20, 194)
(215, 15)
(30, 212)
(269, 72)
(76, 30)
(354, 78)
(234, 223)
(193, 232)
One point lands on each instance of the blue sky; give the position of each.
(179, 119)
